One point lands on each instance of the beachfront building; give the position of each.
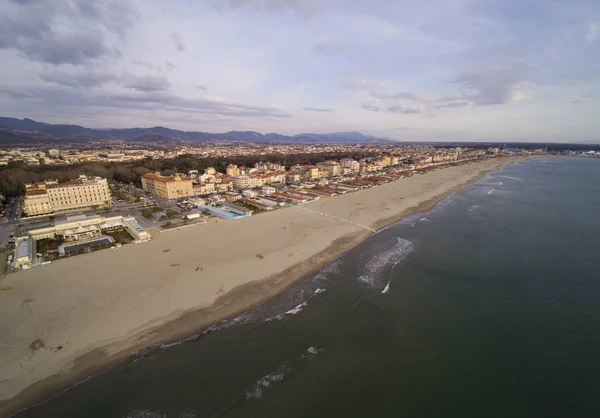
(226, 212)
(51, 196)
(78, 234)
(172, 187)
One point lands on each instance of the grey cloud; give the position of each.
(146, 83)
(493, 85)
(329, 48)
(407, 109)
(485, 86)
(582, 101)
(200, 86)
(70, 32)
(176, 39)
(358, 83)
(85, 79)
(457, 103)
(170, 65)
(399, 95)
(75, 99)
(411, 103)
(592, 33)
(306, 8)
(317, 109)
(374, 107)
(89, 77)
(144, 64)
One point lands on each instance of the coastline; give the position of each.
(181, 323)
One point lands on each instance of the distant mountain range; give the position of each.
(29, 131)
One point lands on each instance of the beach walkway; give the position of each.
(337, 218)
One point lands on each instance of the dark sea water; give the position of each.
(487, 306)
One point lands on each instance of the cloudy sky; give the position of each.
(406, 69)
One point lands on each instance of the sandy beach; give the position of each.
(94, 309)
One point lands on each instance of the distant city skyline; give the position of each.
(443, 70)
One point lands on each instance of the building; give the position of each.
(350, 164)
(77, 233)
(203, 188)
(241, 182)
(233, 170)
(51, 196)
(333, 168)
(172, 187)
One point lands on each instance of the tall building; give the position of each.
(51, 196)
(167, 187)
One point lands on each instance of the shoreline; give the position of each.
(240, 298)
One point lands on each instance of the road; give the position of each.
(7, 227)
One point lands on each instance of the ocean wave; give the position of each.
(512, 178)
(295, 310)
(311, 353)
(491, 191)
(472, 208)
(266, 382)
(386, 289)
(373, 270)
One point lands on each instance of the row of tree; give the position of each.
(14, 177)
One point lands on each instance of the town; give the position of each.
(56, 219)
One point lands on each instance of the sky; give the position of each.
(413, 70)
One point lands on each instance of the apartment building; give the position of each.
(241, 182)
(172, 187)
(51, 196)
(333, 168)
(233, 170)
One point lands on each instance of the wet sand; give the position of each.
(103, 306)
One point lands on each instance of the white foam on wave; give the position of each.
(311, 353)
(386, 289)
(472, 208)
(266, 382)
(491, 191)
(295, 310)
(512, 178)
(380, 262)
(319, 291)
(424, 220)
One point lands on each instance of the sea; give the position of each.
(486, 306)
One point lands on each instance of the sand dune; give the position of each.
(101, 306)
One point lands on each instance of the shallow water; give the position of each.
(486, 306)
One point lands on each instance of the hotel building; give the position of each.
(50, 196)
(167, 187)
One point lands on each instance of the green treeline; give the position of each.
(13, 177)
